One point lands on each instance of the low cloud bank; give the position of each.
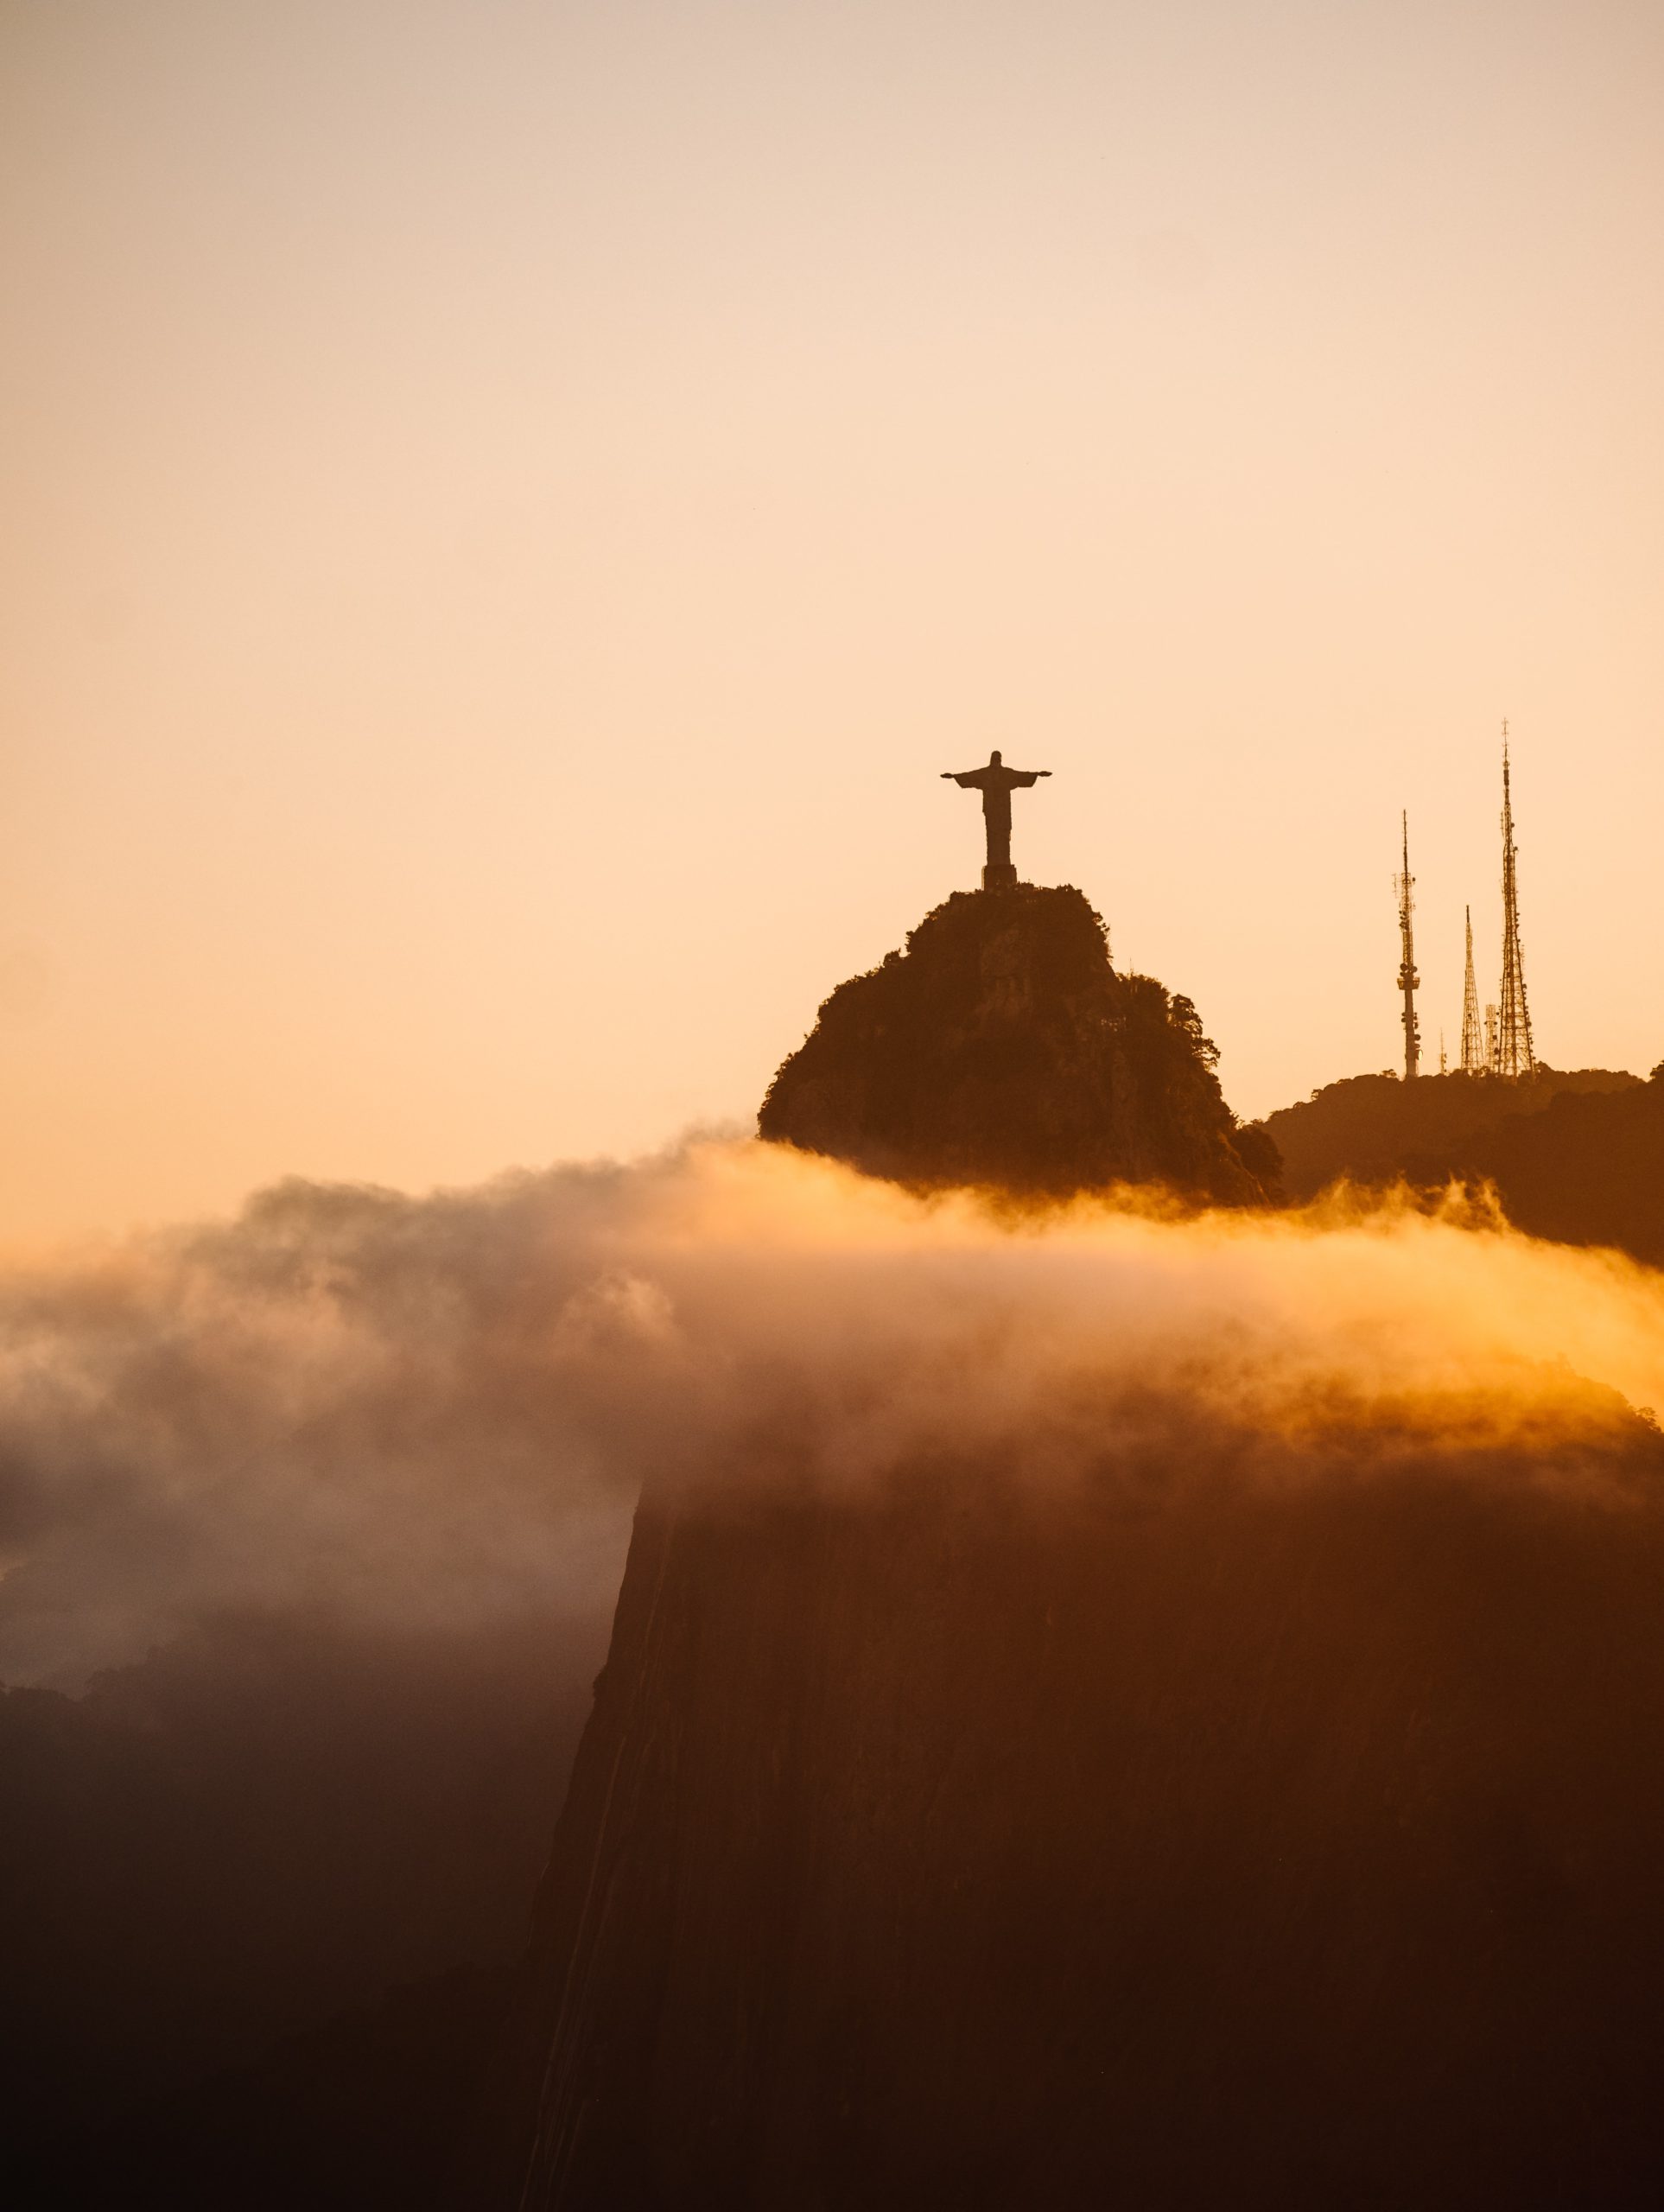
(412, 1412)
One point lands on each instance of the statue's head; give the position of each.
(993, 760)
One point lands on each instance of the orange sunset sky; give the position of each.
(509, 508)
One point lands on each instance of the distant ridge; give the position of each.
(1578, 1156)
(1376, 1127)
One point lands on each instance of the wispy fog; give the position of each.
(381, 1410)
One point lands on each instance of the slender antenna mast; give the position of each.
(1404, 884)
(1514, 1056)
(1475, 1060)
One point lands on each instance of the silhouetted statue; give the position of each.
(996, 783)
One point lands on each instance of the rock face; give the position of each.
(1001, 1049)
(1277, 1850)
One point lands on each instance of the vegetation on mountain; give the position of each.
(1578, 1156)
(1001, 1049)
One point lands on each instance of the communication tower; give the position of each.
(1476, 1060)
(1514, 1057)
(1404, 884)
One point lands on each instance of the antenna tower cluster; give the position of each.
(1502, 1045)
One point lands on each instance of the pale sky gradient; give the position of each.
(509, 508)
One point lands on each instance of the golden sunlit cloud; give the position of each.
(435, 1409)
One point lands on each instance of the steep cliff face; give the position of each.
(1000, 1048)
(1202, 1847)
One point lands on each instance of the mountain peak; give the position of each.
(1001, 1049)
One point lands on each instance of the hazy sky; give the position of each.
(508, 508)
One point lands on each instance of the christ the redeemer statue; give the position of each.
(996, 783)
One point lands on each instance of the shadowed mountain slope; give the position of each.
(1001, 1049)
(1576, 1157)
(261, 1826)
(1202, 1844)
(1376, 1127)
(1588, 1170)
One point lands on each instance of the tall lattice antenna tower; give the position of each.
(1404, 884)
(1515, 1056)
(1475, 1059)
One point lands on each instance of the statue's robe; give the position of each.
(996, 785)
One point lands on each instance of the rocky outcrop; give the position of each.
(1201, 1845)
(1002, 1050)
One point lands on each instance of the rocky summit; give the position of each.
(1002, 1050)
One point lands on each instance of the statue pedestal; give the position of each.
(999, 875)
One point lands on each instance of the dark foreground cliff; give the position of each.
(1000, 1049)
(1183, 1843)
